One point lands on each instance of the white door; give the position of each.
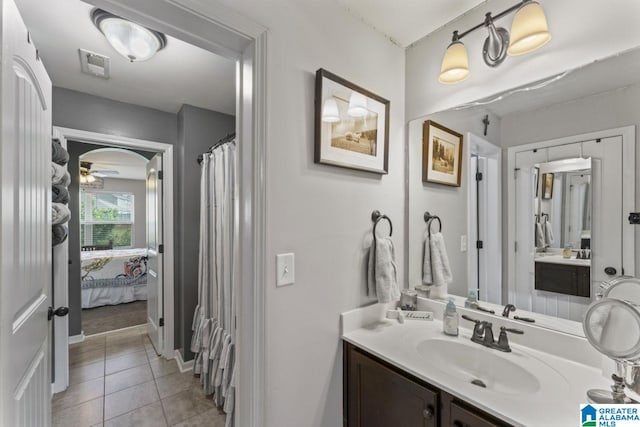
(155, 249)
(25, 230)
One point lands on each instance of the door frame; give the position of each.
(224, 31)
(167, 211)
(628, 134)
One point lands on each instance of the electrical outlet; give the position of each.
(285, 269)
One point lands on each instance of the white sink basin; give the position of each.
(483, 367)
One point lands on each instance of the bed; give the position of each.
(114, 276)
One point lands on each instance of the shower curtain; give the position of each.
(214, 333)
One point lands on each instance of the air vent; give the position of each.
(94, 64)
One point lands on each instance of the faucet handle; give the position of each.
(512, 330)
(470, 319)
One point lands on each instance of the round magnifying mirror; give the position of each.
(612, 326)
(624, 288)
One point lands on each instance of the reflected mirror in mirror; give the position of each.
(548, 180)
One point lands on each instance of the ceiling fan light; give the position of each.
(330, 113)
(529, 29)
(455, 64)
(91, 178)
(357, 105)
(131, 40)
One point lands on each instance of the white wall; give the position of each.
(139, 190)
(597, 112)
(583, 31)
(449, 203)
(319, 212)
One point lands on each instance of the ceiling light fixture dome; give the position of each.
(131, 40)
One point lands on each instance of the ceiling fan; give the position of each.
(89, 176)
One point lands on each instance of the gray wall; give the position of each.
(79, 110)
(198, 129)
(139, 190)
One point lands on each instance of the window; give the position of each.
(106, 218)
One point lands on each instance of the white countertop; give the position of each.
(559, 259)
(563, 383)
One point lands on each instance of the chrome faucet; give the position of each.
(483, 335)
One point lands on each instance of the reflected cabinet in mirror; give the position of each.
(548, 180)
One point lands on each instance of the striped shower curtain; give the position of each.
(214, 333)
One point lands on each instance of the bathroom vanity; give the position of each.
(412, 374)
(378, 393)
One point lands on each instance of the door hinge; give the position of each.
(160, 249)
(160, 175)
(515, 246)
(479, 244)
(161, 321)
(515, 173)
(478, 176)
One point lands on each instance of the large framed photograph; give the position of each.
(441, 154)
(352, 125)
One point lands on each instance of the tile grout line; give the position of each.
(155, 382)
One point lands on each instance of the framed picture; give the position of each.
(352, 125)
(547, 185)
(441, 154)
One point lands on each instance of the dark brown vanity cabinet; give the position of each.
(377, 394)
(563, 279)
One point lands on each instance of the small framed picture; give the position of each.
(441, 154)
(547, 185)
(352, 125)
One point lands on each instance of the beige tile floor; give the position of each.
(117, 380)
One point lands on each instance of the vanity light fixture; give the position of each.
(131, 40)
(330, 113)
(529, 31)
(357, 105)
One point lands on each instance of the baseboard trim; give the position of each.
(75, 339)
(182, 365)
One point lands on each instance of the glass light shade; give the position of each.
(91, 178)
(529, 30)
(330, 113)
(357, 105)
(83, 179)
(133, 41)
(455, 64)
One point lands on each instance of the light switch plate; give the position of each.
(285, 269)
(464, 244)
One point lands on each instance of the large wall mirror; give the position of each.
(548, 181)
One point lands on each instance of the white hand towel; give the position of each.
(548, 234)
(427, 277)
(382, 279)
(440, 268)
(539, 236)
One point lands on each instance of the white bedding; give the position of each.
(114, 276)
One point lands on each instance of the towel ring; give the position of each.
(428, 218)
(376, 217)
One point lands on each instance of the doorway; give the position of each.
(485, 212)
(113, 239)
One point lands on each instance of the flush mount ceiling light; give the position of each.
(529, 31)
(131, 40)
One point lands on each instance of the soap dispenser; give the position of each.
(450, 319)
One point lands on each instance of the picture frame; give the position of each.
(441, 154)
(547, 185)
(351, 125)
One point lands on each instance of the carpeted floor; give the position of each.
(110, 317)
